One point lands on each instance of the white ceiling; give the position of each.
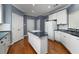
(36, 10)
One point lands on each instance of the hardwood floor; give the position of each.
(23, 47)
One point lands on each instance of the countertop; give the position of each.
(39, 34)
(3, 33)
(75, 33)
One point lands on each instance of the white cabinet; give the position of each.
(57, 36)
(2, 47)
(73, 44)
(53, 16)
(65, 39)
(8, 41)
(69, 41)
(62, 17)
(17, 27)
(4, 44)
(50, 17)
(40, 44)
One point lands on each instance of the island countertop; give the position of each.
(39, 34)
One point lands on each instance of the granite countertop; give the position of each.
(75, 33)
(2, 34)
(40, 34)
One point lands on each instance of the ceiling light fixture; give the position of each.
(33, 4)
(49, 6)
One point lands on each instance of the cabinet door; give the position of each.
(3, 46)
(65, 39)
(14, 28)
(20, 27)
(17, 27)
(74, 44)
(57, 36)
(62, 17)
(7, 38)
(53, 16)
(44, 44)
(50, 17)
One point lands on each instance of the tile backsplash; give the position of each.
(62, 26)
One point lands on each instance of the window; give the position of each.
(0, 13)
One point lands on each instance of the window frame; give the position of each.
(1, 12)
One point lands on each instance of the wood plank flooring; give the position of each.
(23, 47)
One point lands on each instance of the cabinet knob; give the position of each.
(5, 37)
(1, 42)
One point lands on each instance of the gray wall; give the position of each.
(35, 24)
(8, 9)
(7, 13)
(42, 22)
(25, 25)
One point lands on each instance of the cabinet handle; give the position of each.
(5, 37)
(1, 42)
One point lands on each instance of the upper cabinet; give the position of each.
(0, 13)
(53, 16)
(62, 17)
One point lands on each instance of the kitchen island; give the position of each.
(38, 41)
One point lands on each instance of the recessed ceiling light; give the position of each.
(49, 6)
(33, 4)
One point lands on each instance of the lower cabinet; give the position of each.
(4, 44)
(40, 44)
(57, 36)
(73, 44)
(2, 48)
(69, 41)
